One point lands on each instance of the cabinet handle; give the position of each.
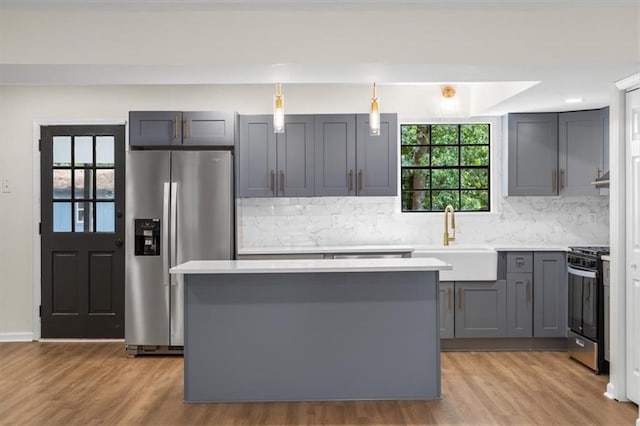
(598, 172)
(175, 127)
(350, 180)
(185, 123)
(449, 302)
(459, 299)
(528, 291)
(271, 182)
(281, 181)
(561, 179)
(360, 180)
(554, 179)
(519, 262)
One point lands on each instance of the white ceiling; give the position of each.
(528, 55)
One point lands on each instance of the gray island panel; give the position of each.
(311, 336)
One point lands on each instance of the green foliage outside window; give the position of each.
(444, 164)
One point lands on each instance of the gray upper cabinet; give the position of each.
(550, 294)
(519, 304)
(533, 154)
(275, 164)
(155, 128)
(195, 128)
(377, 157)
(335, 155)
(208, 128)
(480, 309)
(581, 151)
(446, 309)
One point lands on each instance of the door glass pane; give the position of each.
(83, 151)
(61, 217)
(62, 184)
(105, 184)
(62, 150)
(83, 217)
(105, 217)
(105, 150)
(83, 183)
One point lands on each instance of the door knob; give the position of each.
(118, 242)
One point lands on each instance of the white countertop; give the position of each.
(309, 265)
(503, 247)
(328, 249)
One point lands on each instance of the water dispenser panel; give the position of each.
(147, 236)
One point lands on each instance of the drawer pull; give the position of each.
(580, 343)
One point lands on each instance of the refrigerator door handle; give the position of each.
(165, 234)
(174, 227)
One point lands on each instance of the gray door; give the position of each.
(257, 157)
(480, 309)
(580, 155)
(147, 289)
(295, 157)
(201, 226)
(377, 157)
(82, 231)
(533, 154)
(519, 305)
(550, 294)
(335, 155)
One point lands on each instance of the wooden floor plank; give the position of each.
(66, 383)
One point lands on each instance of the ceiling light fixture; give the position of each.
(573, 100)
(374, 114)
(278, 110)
(447, 102)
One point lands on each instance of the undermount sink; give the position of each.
(469, 263)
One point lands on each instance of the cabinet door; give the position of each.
(295, 157)
(208, 128)
(446, 309)
(155, 128)
(335, 155)
(550, 294)
(580, 156)
(481, 309)
(533, 154)
(519, 305)
(257, 157)
(377, 157)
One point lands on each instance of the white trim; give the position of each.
(16, 337)
(617, 387)
(37, 264)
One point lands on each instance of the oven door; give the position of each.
(583, 301)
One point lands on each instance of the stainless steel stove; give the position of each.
(586, 306)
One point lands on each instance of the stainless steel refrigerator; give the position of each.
(180, 207)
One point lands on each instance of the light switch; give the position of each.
(6, 185)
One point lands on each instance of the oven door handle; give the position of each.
(581, 273)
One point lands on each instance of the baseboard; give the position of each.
(504, 344)
(16, 337)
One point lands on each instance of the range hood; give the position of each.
(602, 181)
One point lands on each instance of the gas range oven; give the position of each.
(585, 341)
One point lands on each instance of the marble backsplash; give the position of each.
(331, 221)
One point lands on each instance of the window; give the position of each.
(445, 164)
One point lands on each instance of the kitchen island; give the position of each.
(325, 329)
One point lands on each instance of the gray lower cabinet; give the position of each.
(533, 154)
(549, 294)
(480, 309)
(519, 304)
(273, 164)
(195, 128)
(446, 311)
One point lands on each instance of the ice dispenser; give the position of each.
(147, 234)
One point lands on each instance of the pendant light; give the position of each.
(374, 114)
(278, 110)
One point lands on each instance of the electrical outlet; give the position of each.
(6, 185)
(593, 218)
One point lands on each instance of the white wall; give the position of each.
(554, 220)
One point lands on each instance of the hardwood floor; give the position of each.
(96, 383)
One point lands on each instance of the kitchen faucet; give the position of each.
(449, 235)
